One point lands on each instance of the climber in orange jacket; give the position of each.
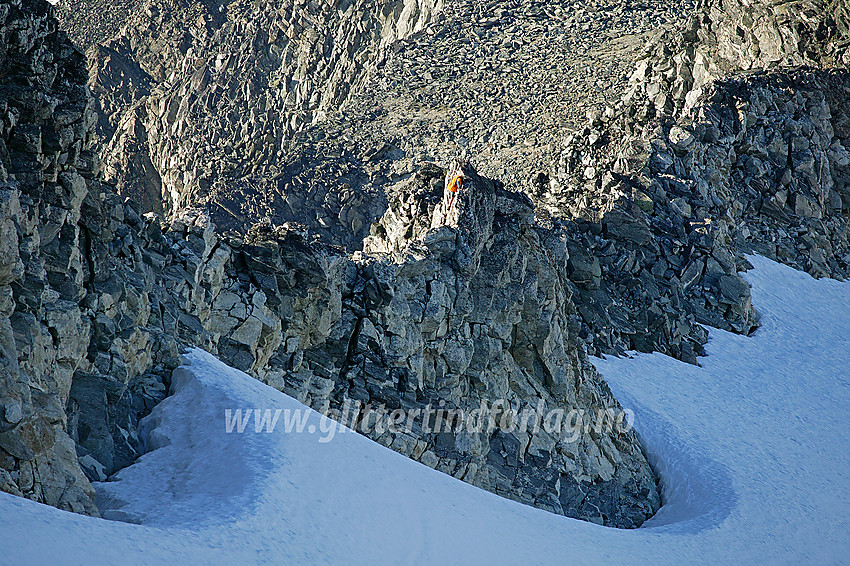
(454, 186)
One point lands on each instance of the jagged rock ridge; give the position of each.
(305, 317)
(636, 237)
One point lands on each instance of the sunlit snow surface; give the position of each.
(753, 449)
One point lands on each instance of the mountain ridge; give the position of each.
(298, 227)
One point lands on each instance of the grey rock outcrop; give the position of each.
(723, 38)
(86, 342)
(481, 248)
(707, 169)
(44, 116)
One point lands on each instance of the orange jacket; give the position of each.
(456, 184)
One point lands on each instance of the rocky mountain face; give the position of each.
(100, 300)
(211, 103)
(724, 38)
(648, 265)
(753, 162)
(209, 94)
(320, 250)
(45, 114)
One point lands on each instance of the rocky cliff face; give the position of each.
(726, 37)
(713, 168)
(497, 322)
(212, 93)
(629, 240)
(100, 298)
(44, 118)
(89, 327)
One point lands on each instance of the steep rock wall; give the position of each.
(220, 91)
(729, 36)
(44, 121)
(99, 299)
(718, 147)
